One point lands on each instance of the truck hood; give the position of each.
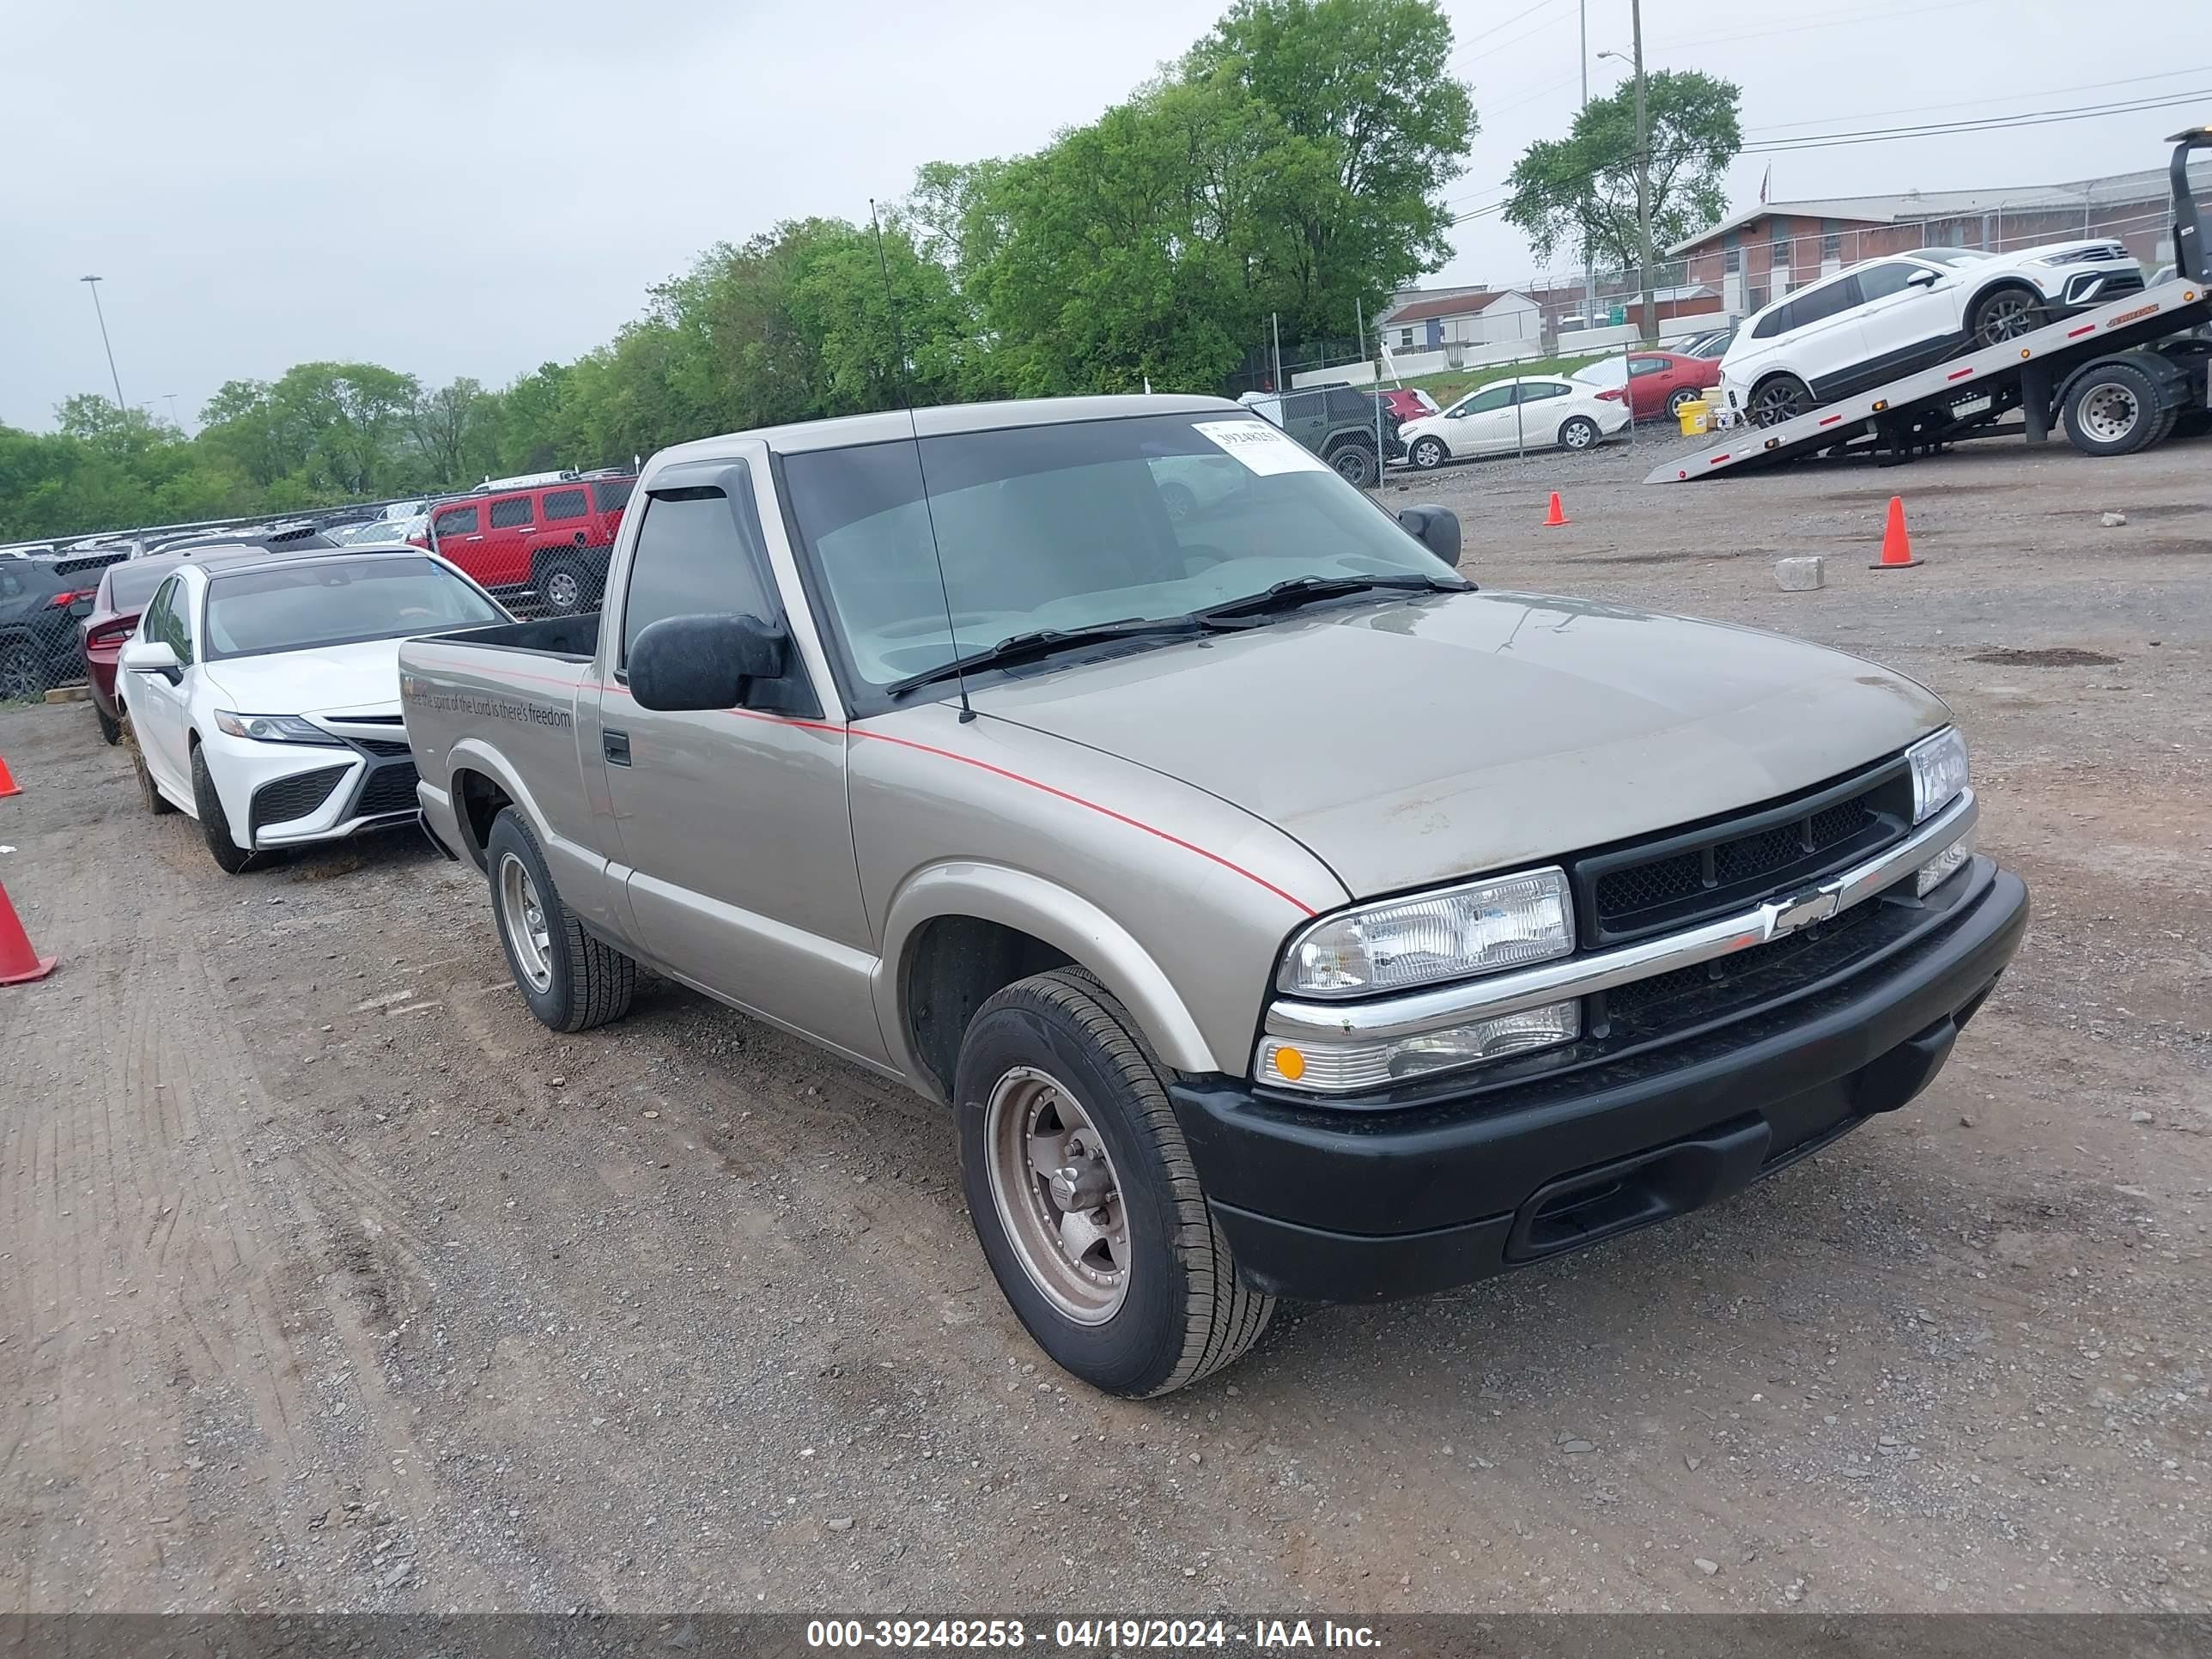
(1409, 743)
(336, 679)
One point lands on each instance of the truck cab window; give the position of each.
(699, 554)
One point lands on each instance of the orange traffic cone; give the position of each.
(19, 962)
(8, 784)
(1896, 544)
(1557, 516)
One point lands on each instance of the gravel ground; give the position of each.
(337, 1282)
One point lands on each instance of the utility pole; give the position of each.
(1644, 178)
(1275, 322)
(1589, 264)
(173, 421)
(95, 283)
(1374, 386)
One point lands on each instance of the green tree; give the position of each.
(452, 427)
(1578, 193)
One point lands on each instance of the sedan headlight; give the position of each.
(1939, 772)
(272, 728)
(1502, 922)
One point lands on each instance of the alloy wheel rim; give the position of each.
(1775, 406)
(561, 588)
(2006, 318)
(2110, 412)
(1057, 1194)
(1428, 453)
(527, 932)
(1578, 435)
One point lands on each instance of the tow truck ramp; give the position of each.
(2056, 369)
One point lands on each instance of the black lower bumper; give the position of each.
(1338, 1204)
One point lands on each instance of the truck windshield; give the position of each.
(1071, 525)
(323, 602)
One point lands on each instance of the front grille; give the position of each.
(293, 797)
(389, 789)
(384, 748)
(1692, 875)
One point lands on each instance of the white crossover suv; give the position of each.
(263, 691)
(1888, 317)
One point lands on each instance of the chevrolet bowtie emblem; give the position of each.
(1787, 915)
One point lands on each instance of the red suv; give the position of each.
(551, 539)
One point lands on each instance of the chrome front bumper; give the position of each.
(1313, 1026)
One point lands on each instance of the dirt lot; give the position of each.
(333, 1280)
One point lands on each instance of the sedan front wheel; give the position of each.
(1428, 453)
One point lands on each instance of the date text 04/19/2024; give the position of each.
(1087, 1635)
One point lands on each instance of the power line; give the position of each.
(1987, 124)
(1827, 23)
(1497, 28)
(1965, 103)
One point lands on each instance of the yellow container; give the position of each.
(1696, 417)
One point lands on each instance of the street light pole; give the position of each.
(1643, 177)
(1589, 264)
(93, 282)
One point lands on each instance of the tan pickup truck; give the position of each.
(1279, 914)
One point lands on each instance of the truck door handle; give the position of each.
(615, 745)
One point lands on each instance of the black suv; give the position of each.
(41, 599)
(1337, 424)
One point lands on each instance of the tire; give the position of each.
(22, 675)
(1579, 433)
(1161, 1304)
(2005, 313)
(1428, 453)
(1782, 397)
(1676, 398)
(156, 802)
(111, 729)
(564, 584)
(571, 980)
(2114, 410)
(229, 857)
(1178, 500)
(1356, 463)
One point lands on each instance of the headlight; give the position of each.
(1939, 772)
(1503, 922)
(272, 728)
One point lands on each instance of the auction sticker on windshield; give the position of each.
(1262, 447)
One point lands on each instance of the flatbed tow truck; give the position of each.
(2117, 378)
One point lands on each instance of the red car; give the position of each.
(101, 632)
(549, 539)
(1660, 382)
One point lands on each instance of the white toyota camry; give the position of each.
(263, 691)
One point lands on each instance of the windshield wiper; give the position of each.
(1042, 643)
(1303, 590)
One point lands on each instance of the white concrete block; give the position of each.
(1801, 575)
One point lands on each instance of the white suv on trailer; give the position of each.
(1888, 317)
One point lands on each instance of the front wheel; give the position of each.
(1580, 433)
(571, 979)
(1356, 465)
(230, 858)
(1085, 1197)
(1428, 453)
(2005, 315)
(1784, 398)
(563, 584)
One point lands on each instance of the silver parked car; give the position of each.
(1278, 913)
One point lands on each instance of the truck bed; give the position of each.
(575, 639)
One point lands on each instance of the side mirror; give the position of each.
(151, 657)
(1922, 279)
(704, 662)
(1436, 528)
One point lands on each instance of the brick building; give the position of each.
(1766, 251)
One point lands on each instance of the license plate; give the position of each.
(1971, 406)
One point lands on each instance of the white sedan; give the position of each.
(1534, 411)
(263, 691)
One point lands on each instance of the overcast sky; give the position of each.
(475, 186)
